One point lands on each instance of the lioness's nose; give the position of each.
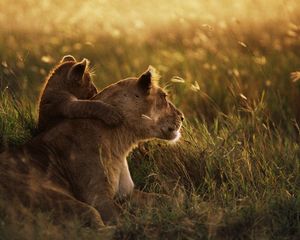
(181, 115)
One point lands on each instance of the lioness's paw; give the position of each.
(107, 232)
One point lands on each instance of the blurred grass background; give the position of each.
(227, 66)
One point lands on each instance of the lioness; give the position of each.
(66, 94)
(79, 166)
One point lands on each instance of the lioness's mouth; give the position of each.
(171, 134)
(176, 135)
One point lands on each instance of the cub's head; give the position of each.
(74, 77)
(147, 110)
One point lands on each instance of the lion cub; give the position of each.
(66, 94)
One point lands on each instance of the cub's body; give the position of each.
(66, 94)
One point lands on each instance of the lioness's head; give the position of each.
(74, 77)
(147, 110)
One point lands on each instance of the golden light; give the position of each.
(133, 16)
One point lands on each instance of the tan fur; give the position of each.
(66, 94)
(79, 167)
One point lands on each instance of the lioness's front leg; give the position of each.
(108, 209)
(137, 197)
(126, 184)
(98, 187)
(145, 199)
(106, 205)
(65, 207)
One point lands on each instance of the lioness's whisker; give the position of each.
(146, 117)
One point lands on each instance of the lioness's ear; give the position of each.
(68, 58)
(77, 70)
(145, 81)
(148, 79)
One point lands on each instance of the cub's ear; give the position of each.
(68, 58)
(77, 71)
(145, 81)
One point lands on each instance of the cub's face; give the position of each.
(147, 110)
(76, 77)
(84, 88)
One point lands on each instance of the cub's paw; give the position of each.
(112, 117)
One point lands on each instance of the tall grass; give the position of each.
(238, 178)
(17, 121)
(235, 173)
